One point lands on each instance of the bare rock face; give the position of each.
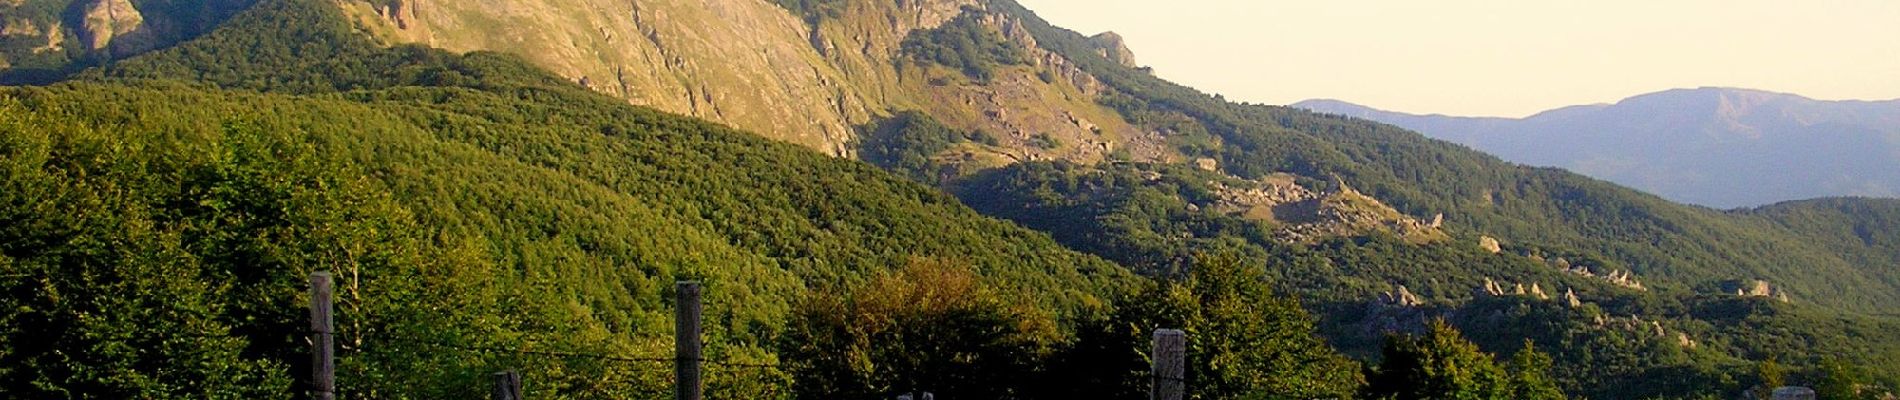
(747, 63)
(1570, 299)
(1758, 288)
(1114, 48)
(108, 21)
(1207, 164)
(808, 80)
(1491, 288)
(1490, 244)
(1396, 311)
(1402, 298)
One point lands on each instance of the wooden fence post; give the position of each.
(686, 345)
(322, 338)
(507, 386)
(1170, 365)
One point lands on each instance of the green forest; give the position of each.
(159, 215)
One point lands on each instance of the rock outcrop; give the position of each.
(812, 80)
(1303, 215)
(112, 23)
(1621, 278)
(1756, 288)
(1653, 329)
(1395, 311)
(1490, 289)
(1490, 244)
(1111, 46)
(1403, 297)
(1207, 164)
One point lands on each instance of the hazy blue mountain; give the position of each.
(1718, 147)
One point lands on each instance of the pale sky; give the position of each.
(1501, 57)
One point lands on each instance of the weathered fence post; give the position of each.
(322, 338)
(507, 386)
(1170, 365)
(686, 344)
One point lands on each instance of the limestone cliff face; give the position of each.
(809, 80)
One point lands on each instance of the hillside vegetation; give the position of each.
(483, 213)
(1689, 246)
(464, 201)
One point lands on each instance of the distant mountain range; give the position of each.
(1718, 147)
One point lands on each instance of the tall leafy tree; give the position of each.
(931, 327)
(1530, 379)
(1243, 340)
(1840, 380)
(1438, 364)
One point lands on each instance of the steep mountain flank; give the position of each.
(811, 77)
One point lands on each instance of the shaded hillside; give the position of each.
(1857, 226)
(44, 40)
(1716, 147)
